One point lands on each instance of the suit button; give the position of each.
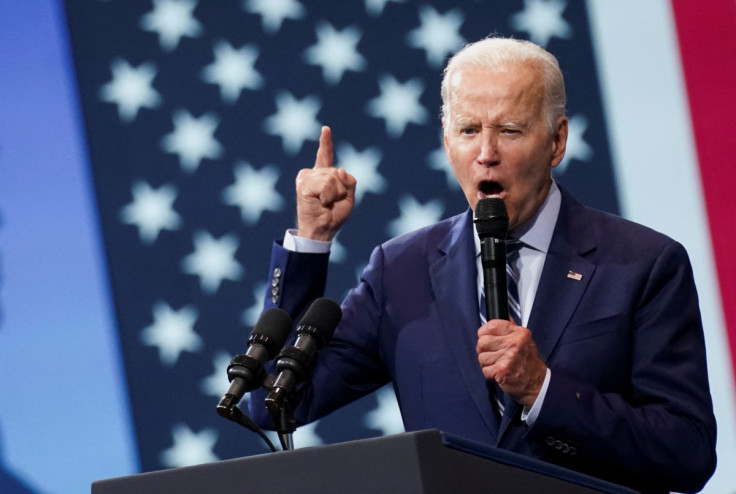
(559, 444)
(573, 450)
(275, 281)
(550, 441)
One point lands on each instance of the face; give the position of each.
(497, 138)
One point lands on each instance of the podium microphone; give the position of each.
(492, 224)
(293, 363)
(246, 372)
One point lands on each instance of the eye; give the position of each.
(468, 131)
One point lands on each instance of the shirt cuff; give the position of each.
(529, 415)
(305, 245)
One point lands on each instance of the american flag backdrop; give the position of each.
(199, 114)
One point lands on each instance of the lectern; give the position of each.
(424, 462)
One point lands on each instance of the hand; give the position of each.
(325, 195)
(508, 355)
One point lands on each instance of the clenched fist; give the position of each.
(508, 355)
(325, 195)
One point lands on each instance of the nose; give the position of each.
(488, 154)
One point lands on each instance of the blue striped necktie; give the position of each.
(512, 278)
(512, 290)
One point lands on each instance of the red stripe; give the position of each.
(707, 37)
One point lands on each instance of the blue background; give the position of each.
(62, 421)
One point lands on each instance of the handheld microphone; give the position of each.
(246, 372)
(294, 362)
(492, 224)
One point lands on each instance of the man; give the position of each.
(606, 370)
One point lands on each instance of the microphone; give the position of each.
(294, 362)
(246, 372)
(492, 224)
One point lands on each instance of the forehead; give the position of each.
(517, 88)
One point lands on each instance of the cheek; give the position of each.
(463, 176)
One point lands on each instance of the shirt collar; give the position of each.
(537, 232)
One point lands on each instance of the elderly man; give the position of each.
(605, 370)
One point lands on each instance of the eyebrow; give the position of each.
(465, 122)
(512, 123)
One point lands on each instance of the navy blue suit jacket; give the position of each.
(628, 400)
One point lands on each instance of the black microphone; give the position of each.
(294, 362)
(492, 224)
(246, 372)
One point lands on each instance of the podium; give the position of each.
(424, 462)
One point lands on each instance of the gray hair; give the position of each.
(503, 53)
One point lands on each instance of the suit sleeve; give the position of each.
(294, 281)
(661, 431)
(350, 366)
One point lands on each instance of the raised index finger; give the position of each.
(324, 153)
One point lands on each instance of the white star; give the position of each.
(171, 19)
(252, 313)
(294, 121)
(338, 253)
(437, 160)
(438, 34)
(386, 417)
(542, 19)
(364, 167)
(213, 261)
(414, 215)
(375, 7)
(190, 448)
(306, 436)
(254, 192)
(193, 139)
(398, 104)
(273, 12)
(577, 148)
(172, 332)
(216, 384)
(233, 70)
(130, 89)
(151, 211)
(336, 52)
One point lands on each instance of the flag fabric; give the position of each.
(198, 116)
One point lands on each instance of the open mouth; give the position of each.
(490, 188)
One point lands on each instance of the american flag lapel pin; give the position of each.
(574, 276)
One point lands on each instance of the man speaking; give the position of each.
(601, 365)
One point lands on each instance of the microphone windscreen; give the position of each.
(491, 218)
(323, 316)
(272, 329)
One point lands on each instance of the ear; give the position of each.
(444, 138)
(559, 141)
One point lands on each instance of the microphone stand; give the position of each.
(280, 406)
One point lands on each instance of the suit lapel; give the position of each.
(453, 276)
(565, 277)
